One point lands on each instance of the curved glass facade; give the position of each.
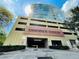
(46, 11)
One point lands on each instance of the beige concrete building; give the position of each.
(35, 32)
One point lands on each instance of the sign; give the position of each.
(37, 30)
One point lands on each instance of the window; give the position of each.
(24, 18)
(67, 33)
(64, 28)
(53, 26)
(56, 43)
(51, 22)
(20, 29)
(38, 20)
(23, 23)
(38, 25)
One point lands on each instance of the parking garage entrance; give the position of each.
(56, 43)
(37, 42)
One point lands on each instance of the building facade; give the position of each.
(33, 32)
(45, 11)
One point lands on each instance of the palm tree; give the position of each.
(5, 18)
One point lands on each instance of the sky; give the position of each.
(70, 4)
(17, 7)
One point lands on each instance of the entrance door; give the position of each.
(36, 42)
(56, 43)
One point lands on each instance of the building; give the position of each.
(28, 31)
(36, 31)
(45, 11)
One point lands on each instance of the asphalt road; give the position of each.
(34, 53)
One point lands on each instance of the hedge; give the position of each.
(59, 47)
(78, 47)
(11, 48)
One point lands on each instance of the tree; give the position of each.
(73, 22)
(75, 17)
(5, 17)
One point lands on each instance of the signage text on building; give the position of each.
(36, 30)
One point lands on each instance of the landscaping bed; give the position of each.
(59, 47)
(11, 48)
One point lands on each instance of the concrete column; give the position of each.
(24, 41)
(49, 43)
(69, 44)
(77, 42)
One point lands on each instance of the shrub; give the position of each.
(59, 47)
(65, 47)
(2, 38)
(78, 47)
(11, 48)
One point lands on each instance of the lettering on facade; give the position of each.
(35, 30)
